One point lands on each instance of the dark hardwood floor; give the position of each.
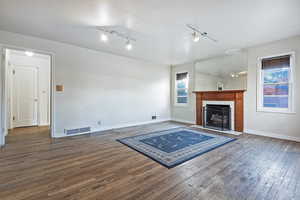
(32, 166)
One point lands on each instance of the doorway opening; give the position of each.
(27, 94)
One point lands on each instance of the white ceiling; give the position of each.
(158, 25)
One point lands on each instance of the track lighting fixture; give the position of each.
(128, 45)
(196, 37)
(106, 30)
(29, 53)
(238, 74)
(104, 37)
(197, 33)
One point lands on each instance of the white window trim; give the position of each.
(175, 89)
(260, 107)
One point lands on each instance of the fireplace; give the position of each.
(234, 98)
(217, 117)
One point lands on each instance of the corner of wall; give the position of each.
(184, 114)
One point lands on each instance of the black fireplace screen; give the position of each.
(217, 117)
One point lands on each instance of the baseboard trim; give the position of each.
(227, 132)
(183, 121)
(115, 127)
(272, 135)
(40, 125)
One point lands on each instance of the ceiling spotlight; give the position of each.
(128, 45)
(29, 53)
(234, 75)
(104, 37)
(196, 37)
(196, 33)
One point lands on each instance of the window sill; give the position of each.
(276, 111)
(181, 105)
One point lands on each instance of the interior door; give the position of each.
(25, 98)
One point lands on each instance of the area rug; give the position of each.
(175, 146)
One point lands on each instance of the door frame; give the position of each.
(3, 89)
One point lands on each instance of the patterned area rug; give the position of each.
(175, 146)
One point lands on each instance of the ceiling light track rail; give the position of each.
(117, 33)
(126, 37)
(197, 33)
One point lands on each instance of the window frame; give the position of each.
(292, 82)
(176, 89)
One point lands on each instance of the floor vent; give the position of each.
(77, 130)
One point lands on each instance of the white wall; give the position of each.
(236, 83)
(118, 91)
(206, 82)
(272, 124)
(184, 113)
(43, 65)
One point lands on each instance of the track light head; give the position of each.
(29, 53)
(196, 37)
(106, 32)
(234, 75)
(128, 45)
(104, 37)
(197, 33)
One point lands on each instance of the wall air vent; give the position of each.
(77, 131)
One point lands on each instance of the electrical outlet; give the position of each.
(99, 123)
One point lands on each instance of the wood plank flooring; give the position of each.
(96, 167)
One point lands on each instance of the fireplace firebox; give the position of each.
(217, 117)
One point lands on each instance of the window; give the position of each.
(276, 87)
(181, 85)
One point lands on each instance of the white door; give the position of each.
(24, 96)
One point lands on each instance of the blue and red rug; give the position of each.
(175, 146)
